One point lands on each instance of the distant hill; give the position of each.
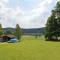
(33, 31)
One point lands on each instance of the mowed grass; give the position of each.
(30, 48)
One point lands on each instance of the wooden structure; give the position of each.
(5, 38)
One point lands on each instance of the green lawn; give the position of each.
(30, 48)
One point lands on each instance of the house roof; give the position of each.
(11, 36)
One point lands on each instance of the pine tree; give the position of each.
(53, 24)
(57, 13)
(18, 32)
(51, 27)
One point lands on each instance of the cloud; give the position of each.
(34, 18)
(6, 13)
(38, 15)
(5, 1)
(58, 0)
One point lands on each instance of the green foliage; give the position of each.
(9, 31)
(1, 30)
(18, 32)
(57, 6)
(53, 24)
(51, 27)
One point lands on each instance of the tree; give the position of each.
(51, 27)
(18, 32)
(57, 8)
(1, 30)
(53, 24)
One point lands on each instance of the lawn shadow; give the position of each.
(53, 40)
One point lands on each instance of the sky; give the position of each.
(26, 13)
